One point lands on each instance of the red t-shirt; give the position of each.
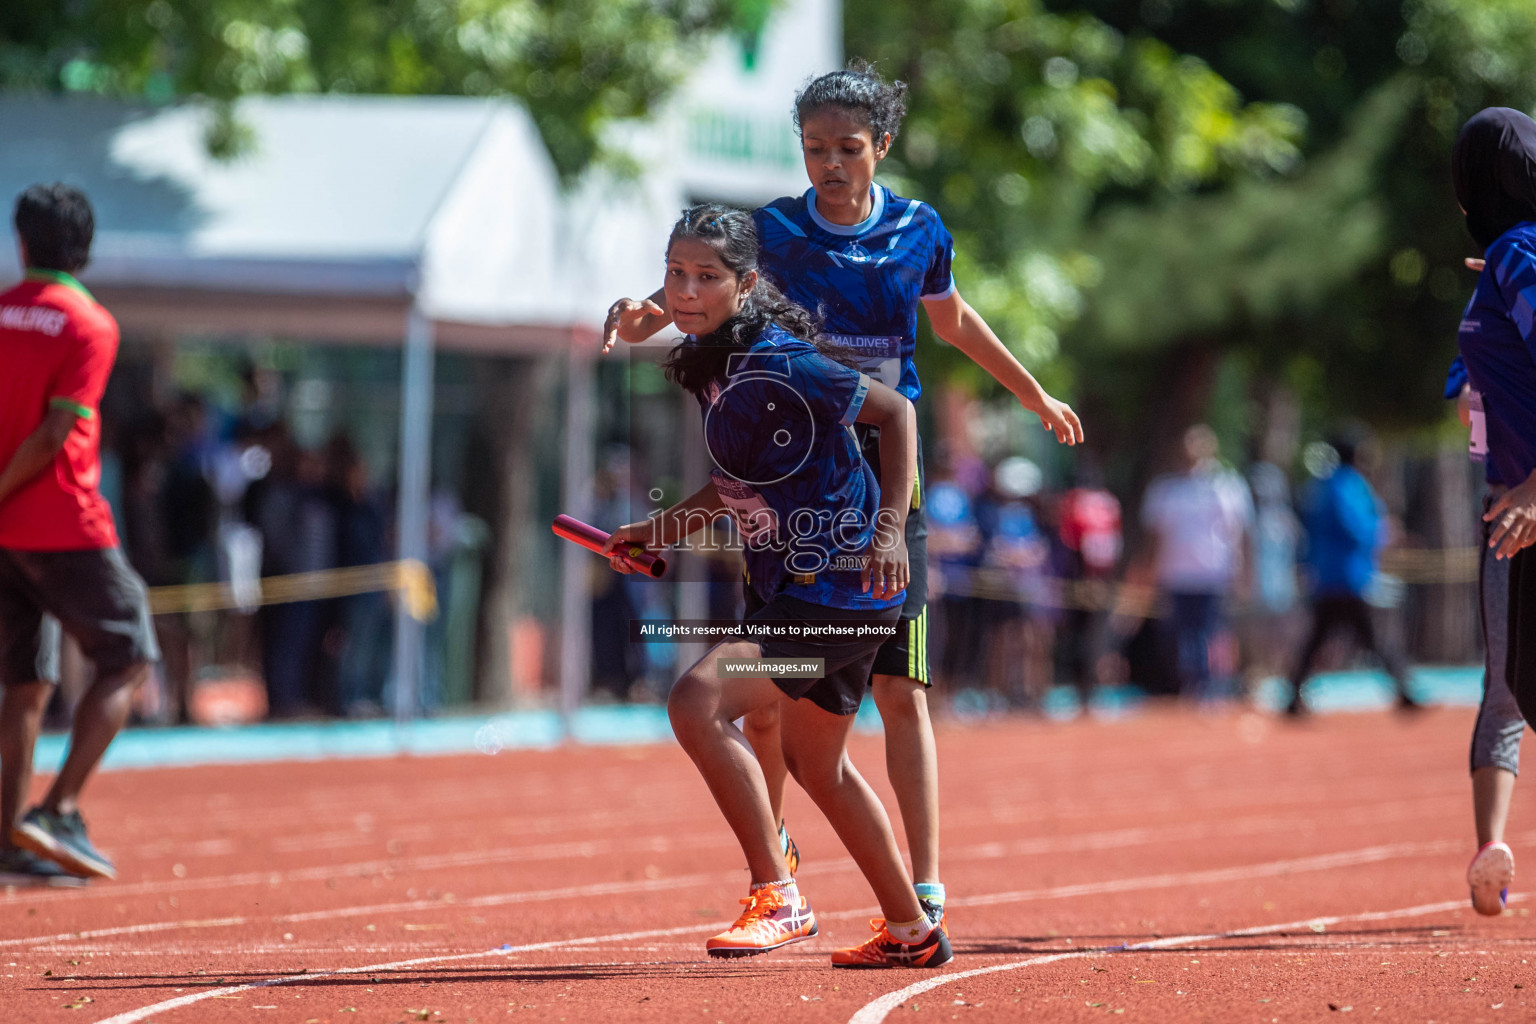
(56, 351)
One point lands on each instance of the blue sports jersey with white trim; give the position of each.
(866, 279)
(788, 467)
(1497, 340)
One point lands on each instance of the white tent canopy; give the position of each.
(369, 203)
(417, 221)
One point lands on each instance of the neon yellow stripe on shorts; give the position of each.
(922, 661)
(911, 648)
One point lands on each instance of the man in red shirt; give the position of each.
(60, 564)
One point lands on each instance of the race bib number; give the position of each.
(756, 521)
(880, 357)
(1477, 444)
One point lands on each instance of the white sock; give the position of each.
(788, 887)
(911, 932)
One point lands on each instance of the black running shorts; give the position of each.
(847, 661)
(906, 654)
(94, 595)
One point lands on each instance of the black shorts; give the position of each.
(906, 654)
(94, 595)
(847, 661)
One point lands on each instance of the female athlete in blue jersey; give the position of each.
(828, 563)
(1493, 171)
(867, 259)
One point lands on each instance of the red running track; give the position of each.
(1174, 866)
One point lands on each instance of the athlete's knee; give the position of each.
(817, 775)
(900, 700)
(762, 721)
(23, 701)
(689, 703)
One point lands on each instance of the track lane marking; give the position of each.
(875, 1011)
(1267, 869)
(1320, 862)
(1038, 846)
(366, 869)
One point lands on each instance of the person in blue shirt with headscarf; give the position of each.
(1493, 171)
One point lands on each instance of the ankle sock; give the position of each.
(910, 932)
(933, 892)
(788, 887)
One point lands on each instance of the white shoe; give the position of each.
(1489, 876)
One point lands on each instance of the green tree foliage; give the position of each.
(1149, 188)
(1344, 279)
(577, 63)
(1022, 121)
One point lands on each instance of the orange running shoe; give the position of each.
(771, 920)
(886, 951)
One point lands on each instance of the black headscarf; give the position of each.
(1493, 169)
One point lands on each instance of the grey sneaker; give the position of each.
(934, 912)
(24, 868)
(62, 839)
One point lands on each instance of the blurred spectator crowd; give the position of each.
(205, 494)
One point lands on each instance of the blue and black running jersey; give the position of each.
(787, 465)
(866, 279)
(1497, 340)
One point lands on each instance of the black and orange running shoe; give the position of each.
(791, 851)
(772, 919)
(885, 950)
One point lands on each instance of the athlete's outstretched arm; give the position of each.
(957, 323)
(38, 450)
(667, 528)
(887, 571)
(633, 321)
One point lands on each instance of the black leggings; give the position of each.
(1520, 665)
(1342, 610)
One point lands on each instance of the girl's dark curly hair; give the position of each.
(859, 89)
(732, 235)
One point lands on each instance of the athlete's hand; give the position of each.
(645, 534)
(1475, 264)
(1058, 417)
(1514, 514)
(625, 315)
(886, 571)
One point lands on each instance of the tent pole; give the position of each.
(414, 482)
(575, 562)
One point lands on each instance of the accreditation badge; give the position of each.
(1477, 445)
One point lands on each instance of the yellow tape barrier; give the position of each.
(410, 578)
(1408, 565)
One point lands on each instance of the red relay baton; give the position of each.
(593, 539)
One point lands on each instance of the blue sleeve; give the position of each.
(1514, 275)
(1455, 379)
(939, 278)
(834, 392)
(1357, 512)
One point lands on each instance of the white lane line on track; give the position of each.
(1120, 885)
(398, 866)
(1039, 846)
(496, 900)
(875, 1011)
(131, 1016)
(1322, 862)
